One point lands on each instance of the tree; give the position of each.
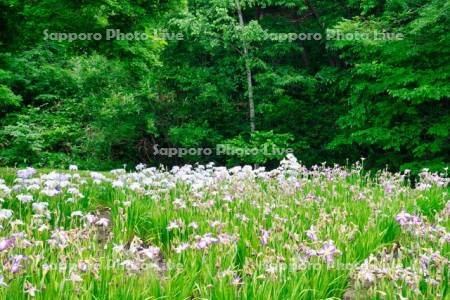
(398, 86)
(251, 104)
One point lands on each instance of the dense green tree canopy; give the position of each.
(381, 92)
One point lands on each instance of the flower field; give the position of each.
(206, 232)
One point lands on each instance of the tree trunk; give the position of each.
(251, 103)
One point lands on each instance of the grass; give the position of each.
(212, 233)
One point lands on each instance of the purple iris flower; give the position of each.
(5, 244)
(26, 173)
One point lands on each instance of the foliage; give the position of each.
(104, 102)
(206, 232)
(261, 147)
(399, 90)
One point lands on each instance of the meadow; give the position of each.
(207, 232)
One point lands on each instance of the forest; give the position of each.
(103, 83)
(224, 149)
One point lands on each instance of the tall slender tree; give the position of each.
(251, 103)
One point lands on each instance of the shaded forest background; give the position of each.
(100, 104)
